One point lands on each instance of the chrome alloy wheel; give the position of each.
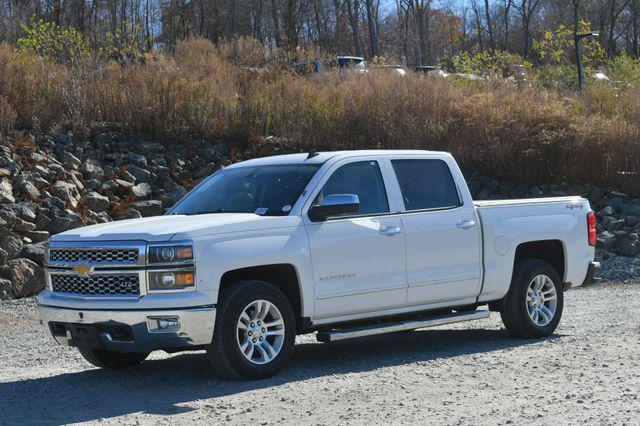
(542, 300)
(260, 332)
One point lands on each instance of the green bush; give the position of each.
(46, 39)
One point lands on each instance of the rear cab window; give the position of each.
(426, 184)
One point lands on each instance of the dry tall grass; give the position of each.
(527, 135)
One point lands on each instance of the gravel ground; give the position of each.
(473, 373)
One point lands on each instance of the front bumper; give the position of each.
(128, 330)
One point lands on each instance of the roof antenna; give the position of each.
(312, 154)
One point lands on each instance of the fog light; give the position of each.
(162, 324)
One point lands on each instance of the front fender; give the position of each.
(227, 252)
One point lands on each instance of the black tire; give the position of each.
(515, 314)
(224, 352)
(110, 359)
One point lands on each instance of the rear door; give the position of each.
(358, 260)
(443, 237)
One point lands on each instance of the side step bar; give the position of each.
(392, 327)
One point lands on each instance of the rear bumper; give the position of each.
(590, 278)
(128, 330)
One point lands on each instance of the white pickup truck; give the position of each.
(347, 244)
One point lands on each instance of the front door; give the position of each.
(358, 260)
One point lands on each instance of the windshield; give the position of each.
(263, 190)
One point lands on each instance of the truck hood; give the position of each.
(176, 227)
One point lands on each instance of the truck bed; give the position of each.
(507, 224)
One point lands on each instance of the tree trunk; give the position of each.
(489, 25)
(507, 7)
(635, 43)
(276, 24)
(353, 7)
(373, 26)
(478, 25)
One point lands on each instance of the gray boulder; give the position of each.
(23, 226)
(6, 192)
(627, 246)
(631, 210)
(129, 214)
(91, 171)
(65, 220)
(97, 202)
(34, 252)
(5, 289)
(36, 236)
(141, 175)
(169, 199)
(67, 192)
(27, 277)
(141, 191)
(605, 239)
(30, 191)
(148, 208)
(12, 244)
(9, 218)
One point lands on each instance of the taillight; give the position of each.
(591, 226)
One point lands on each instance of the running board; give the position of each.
(351, 333)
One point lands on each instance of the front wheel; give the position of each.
(254, 332)
(111, 359)
(533, 306)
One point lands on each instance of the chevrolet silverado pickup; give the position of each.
(345, 244)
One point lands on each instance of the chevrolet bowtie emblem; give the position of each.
(83, 269)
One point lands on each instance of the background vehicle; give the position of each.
(344, 243)
(352, 63)
(430, 70)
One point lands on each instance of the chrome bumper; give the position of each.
(128, 330)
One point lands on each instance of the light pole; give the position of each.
(577, 38)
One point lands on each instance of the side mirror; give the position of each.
(334, 205)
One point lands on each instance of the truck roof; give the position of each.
(321, 157)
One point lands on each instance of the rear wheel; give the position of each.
(533, 306)
(110, 359)
(254, 332)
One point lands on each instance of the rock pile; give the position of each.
(618, 214)
(52, 184)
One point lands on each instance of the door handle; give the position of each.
(466, 224)
(391, 231)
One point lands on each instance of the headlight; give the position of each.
(171, 280)
(170, 253)
(171, 267)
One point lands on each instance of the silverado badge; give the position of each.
(83, 269)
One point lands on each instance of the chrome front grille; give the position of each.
(99, 284)
(97, 268)
(118, 256)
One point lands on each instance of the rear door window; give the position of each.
(426, 184)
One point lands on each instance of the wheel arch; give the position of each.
(284, 276)
(550, 251)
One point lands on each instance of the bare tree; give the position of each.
(373, 27)
(353, 8)
(487, 11)
(506, 17)
(476, 13)
(527, 9)
(420, 9)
